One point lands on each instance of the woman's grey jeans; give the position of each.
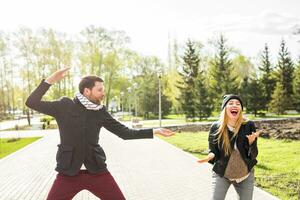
(244, 189)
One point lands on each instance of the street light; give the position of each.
(135, 103)
(122, 103)
(17, 126)
(159, 98)
(116, 103)
(129, 91)
(4, 104)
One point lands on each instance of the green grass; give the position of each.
(155, 123)
(23, 127)
(7, 147)
(278, 168)
(175, 116)
(170, 122)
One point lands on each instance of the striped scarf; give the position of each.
(87, 103)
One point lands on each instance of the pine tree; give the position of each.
(285, 70)
(266, 80)
(254, 102)
(176, 59)
(222, 80)
(203, 102)
(278, 102)
(190, 72)
(296, 85)
(244, 91)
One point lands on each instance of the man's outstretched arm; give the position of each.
(126, 133)
(34, 100)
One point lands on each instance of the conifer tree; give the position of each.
(266, 80)
(191, 61)
(278, 102)
(254, 101)
(296, 85)
(204, 106)
(285, 76)
(222, 80)
(244, 92)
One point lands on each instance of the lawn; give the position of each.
(8, 146)
(169, 122)
(278, 168)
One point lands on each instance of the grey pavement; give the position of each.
(145, 169)
(20, 122)
(25, 133)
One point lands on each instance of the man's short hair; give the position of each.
(88, 82)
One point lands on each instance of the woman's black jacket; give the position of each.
(248, 152)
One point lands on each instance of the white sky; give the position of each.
(248, 25)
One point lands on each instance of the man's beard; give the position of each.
(95, 100)
(98, 102)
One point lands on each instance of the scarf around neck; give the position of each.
(87, 103)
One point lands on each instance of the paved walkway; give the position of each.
(21, 122)
(144, 169)
(23, 133)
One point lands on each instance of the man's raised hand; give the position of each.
(57, 76)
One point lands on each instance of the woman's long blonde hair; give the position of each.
(222, 133)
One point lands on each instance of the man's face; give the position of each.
(96, 94)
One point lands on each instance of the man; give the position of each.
(79, 122)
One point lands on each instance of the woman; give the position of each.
(233, 150)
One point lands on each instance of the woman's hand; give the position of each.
(207, 158)
(253, 136)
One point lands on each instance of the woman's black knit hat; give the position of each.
(228, 97)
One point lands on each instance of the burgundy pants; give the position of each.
(103, 185)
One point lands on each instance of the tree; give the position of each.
(244, 92)
(254, 102)
(26, 44)
(242, 68)
(285, 70)
(54, 51)
(222, 80)
(148, 88)
(296, 87)
(191, 61)
(266, 80)
(171, 90)
(279, 101)
(101, 53)
(3, 80)
(203, 103)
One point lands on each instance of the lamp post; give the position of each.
(4, 103)
(19, 102)
(129, 91)
(135, 100)
(159, 98)
(116, 104)
(122, 103)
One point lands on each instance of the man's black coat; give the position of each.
(79, 131)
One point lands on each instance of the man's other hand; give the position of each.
(164, 132)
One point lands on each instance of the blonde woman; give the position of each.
(233, 150)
